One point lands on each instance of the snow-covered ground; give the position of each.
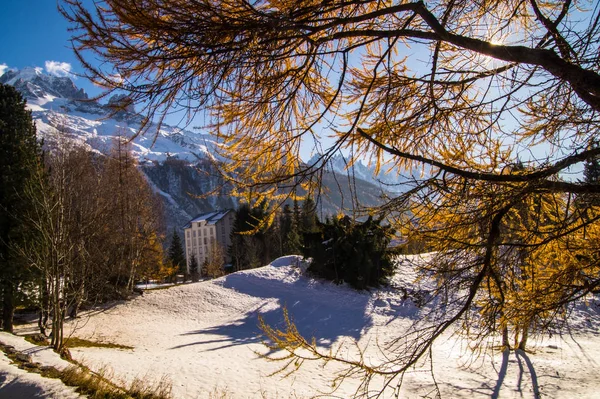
(16, 383)
(204, 338)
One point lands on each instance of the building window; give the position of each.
(194, 233)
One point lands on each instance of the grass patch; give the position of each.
(162, 287)
(99, 386)
(74, 342)
(94, 385)
(37, 339)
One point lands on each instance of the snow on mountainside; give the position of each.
(34, 84)
(175, 161)
(57, 104)
(391, 180)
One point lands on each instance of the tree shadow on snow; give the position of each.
(318, 309)
(521, 357)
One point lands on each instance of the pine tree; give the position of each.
(177, 256)
(309, 219)
(292, 242)
(297, 213)
(351, 252)
(285, 220)
(194, 268)
(19, 159)
(291, 231)
(252, 243)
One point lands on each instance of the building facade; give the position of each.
(205, 231)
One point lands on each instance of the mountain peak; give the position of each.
(33, 83)
(392, 179)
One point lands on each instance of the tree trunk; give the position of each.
(57, 317)
(505, 340)
(524, 336)
(8, 306)
(44, 308)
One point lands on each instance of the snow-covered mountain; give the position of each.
(34, 84)
(60, 108)
(390, 180)
(64, 112)
(175, 161)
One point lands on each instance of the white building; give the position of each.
(203, 231)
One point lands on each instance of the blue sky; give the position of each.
(35, 34)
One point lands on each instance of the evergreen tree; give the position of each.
(309, 219)
(293, 243)
(296, 223)
(285, 220)
(591, 175)
(194, 268)
(297, 213)
(351, 252)
(237, 250)
(289, 231)
(177, 256)
(252, 244)
(19, 159)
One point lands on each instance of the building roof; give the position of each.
(210, 218)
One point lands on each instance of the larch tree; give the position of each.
(137, 216)
(461, 90)
(215, 261)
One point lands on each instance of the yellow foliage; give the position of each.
(487, 105)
